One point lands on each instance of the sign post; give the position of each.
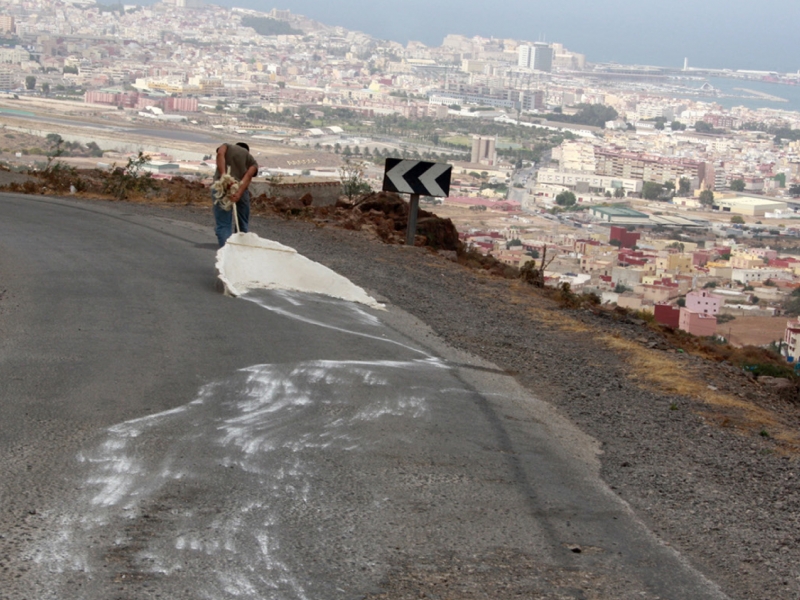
(416, 177)
(413, 210)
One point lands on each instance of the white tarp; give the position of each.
(247, 262)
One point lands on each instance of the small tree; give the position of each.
(94, 149)
(619, 192)
(566, 199)
(533, 273)
(684, 186)
(791, 305)
(351, 174)
(737, 185)
(706, 198)
(54, 139)
(738, 219)
(651, 190)
(30, 82)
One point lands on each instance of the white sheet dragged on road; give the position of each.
(247, 262)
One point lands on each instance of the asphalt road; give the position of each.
(162, 440)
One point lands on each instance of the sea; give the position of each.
(789, 93)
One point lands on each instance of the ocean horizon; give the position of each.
(624, 31)
(714, 34)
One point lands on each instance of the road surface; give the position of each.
(163, 440)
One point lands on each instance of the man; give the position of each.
(243, 168)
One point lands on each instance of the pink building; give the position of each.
(698, 324)
(180, 104)
(703, 302)
(98, 97)
(763, 253)
(700, 258)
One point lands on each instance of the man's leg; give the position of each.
(224, 222)
(243, 211)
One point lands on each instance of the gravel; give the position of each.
(727, 498)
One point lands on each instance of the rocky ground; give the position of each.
(703, 452)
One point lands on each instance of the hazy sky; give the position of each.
(743, 34)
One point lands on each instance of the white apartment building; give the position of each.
(603, 183)
(578, 157)
(524, 54)
(654, 111)
(750, 275)
(14, 56)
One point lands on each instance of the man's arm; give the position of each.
(221, 165)
(244, 183)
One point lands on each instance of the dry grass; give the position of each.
(543, 310)
(654, 368)
(651, 369)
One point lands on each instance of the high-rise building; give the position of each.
(542, 59)
(524, 56)
(280, 15)
(483, 150)
(531, 100)
(6, 24)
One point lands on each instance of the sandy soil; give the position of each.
(753, 331)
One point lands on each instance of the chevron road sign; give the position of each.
(417, 177)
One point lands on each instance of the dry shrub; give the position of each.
(471, 258)
(62, 178)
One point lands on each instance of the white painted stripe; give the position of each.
(428, 179)
(395, 175)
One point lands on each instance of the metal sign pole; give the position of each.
(416, 177)
(411, 230)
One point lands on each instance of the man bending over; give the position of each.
(243, 168)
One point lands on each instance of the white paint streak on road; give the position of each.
(155, 491)
(258, 430)
(365, 318)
